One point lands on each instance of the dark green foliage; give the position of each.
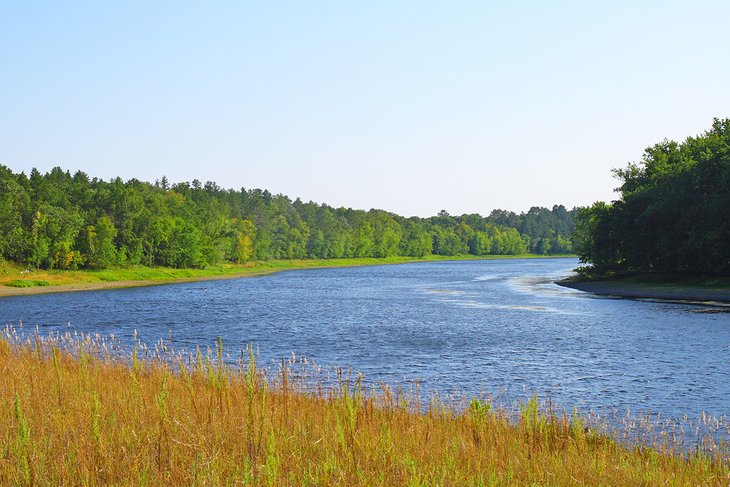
(673, 214)
(60, 221)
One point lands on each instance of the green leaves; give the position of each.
(672, 216)
(56, 221)
(102, 251)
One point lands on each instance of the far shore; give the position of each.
(82, 280)
(674, 288)
(98, 286)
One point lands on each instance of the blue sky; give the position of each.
(407, 106)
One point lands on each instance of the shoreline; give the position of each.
(99, 280)
(9, 291)
(681, 289)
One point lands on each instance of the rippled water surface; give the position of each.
(498, 326)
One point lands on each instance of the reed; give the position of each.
(77, 410)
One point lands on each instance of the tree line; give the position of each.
(673, 214)
(61, 221)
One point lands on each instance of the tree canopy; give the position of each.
(673, 214)
(62, 221)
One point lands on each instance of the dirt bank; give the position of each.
(711, 290)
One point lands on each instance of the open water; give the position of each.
(498, 327)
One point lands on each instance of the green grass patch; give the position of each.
(27, 283)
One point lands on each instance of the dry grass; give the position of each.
(73, 411)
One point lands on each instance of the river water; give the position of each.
(498, 327)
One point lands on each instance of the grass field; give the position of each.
(74, 413)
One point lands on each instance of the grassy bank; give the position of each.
(15, 279)
(656, 286)
(89, 418)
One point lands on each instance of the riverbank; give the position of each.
(17, 281)
(676, 288)
(73, 413)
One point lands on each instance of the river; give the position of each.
(500, 327)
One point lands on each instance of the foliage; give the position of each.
(60, 221)
(102, 251)
(672, 214)
(242, 249)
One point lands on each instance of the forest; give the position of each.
(58, 220)
(673, 214)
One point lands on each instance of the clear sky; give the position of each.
(409, 106)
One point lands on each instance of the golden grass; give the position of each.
(74, 412)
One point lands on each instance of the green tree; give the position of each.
(671, 216)
(14, 203)
(102, 251)
(51, 220)
(362, 239)
(480, 243)
(243, 244)
(387, 234)
(416, 242)
(53, 235)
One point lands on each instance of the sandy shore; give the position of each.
(6, 291)
(633, 288)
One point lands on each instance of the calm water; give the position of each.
(496, 326)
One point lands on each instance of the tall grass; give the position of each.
(27, 283)
(75, 410)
